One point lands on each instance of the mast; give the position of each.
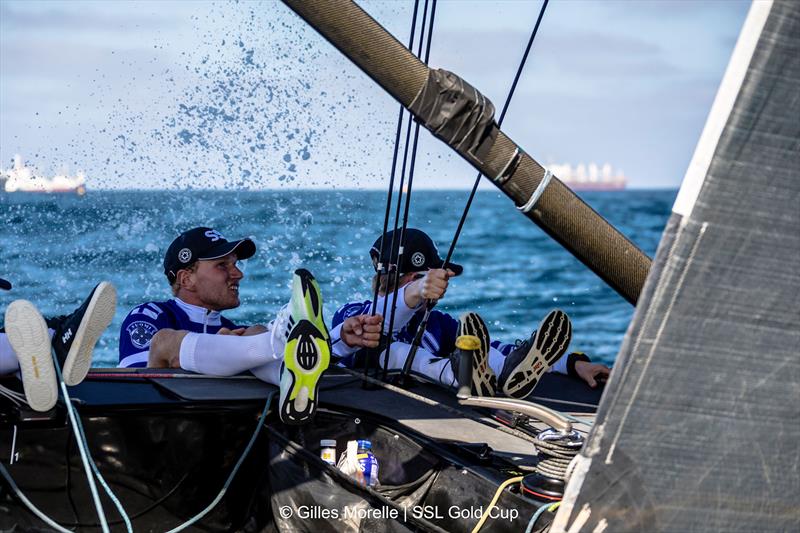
(458, 114)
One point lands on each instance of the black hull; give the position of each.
(166, 447)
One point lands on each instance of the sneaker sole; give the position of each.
(28, 335)
(99, 314)
(307, 353)
(484, 381)
(551, 342)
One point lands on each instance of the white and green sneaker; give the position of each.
(28, 336)
(307, 353)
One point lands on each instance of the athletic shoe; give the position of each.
(307, 353)
(28, 336)
(76, 334)
(531, 358)
(484, 382)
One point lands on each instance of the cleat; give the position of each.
(307, 353)
(28, 336)
(484, 381)
(77, 333)
(531, 358)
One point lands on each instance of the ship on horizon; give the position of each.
(590, 177)
(23, 178)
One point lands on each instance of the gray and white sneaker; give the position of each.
(28, 336)
(534, 356)
(484, 381)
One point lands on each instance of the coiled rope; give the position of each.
(555, 458)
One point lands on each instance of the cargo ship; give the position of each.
(590, 177)
(23, 178)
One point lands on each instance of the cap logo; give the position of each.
(214, 235)
(185, 255)
(418, 259)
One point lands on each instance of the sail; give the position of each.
(699, 428)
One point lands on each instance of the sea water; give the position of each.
(55, 248)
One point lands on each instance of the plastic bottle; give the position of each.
(367, 463)
(328, 451)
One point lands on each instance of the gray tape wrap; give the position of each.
(455, 112)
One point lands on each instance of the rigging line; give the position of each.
(417, 340)
(429, 305)
(381, 269)
(499, 123)
(412, 165)
(394, 258)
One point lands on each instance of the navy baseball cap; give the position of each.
(419, 252)
(6, 286)
(200, 244)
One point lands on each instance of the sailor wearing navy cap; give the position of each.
(423, 276)
(188, 331)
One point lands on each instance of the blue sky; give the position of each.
(223, 94)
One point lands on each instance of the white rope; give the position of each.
(82, 450)
(14, 396)
(46, 519)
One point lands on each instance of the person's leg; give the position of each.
(269, 373)
(437, 369)
(72, 336)
(216, 355)
(28, 336)
(8, 359)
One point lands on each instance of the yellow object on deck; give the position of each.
(468, 342)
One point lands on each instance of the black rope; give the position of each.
(383, 269)
(429, 305)
(412, 165)
(499, 123)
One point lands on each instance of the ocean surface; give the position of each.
(55, 248)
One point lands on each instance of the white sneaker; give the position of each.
(28, 335)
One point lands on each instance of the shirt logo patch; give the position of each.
(141, 333)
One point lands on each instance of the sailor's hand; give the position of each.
(243, 332)
(434, 285)
(362, 330)
(226, 331)
(592, 373)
